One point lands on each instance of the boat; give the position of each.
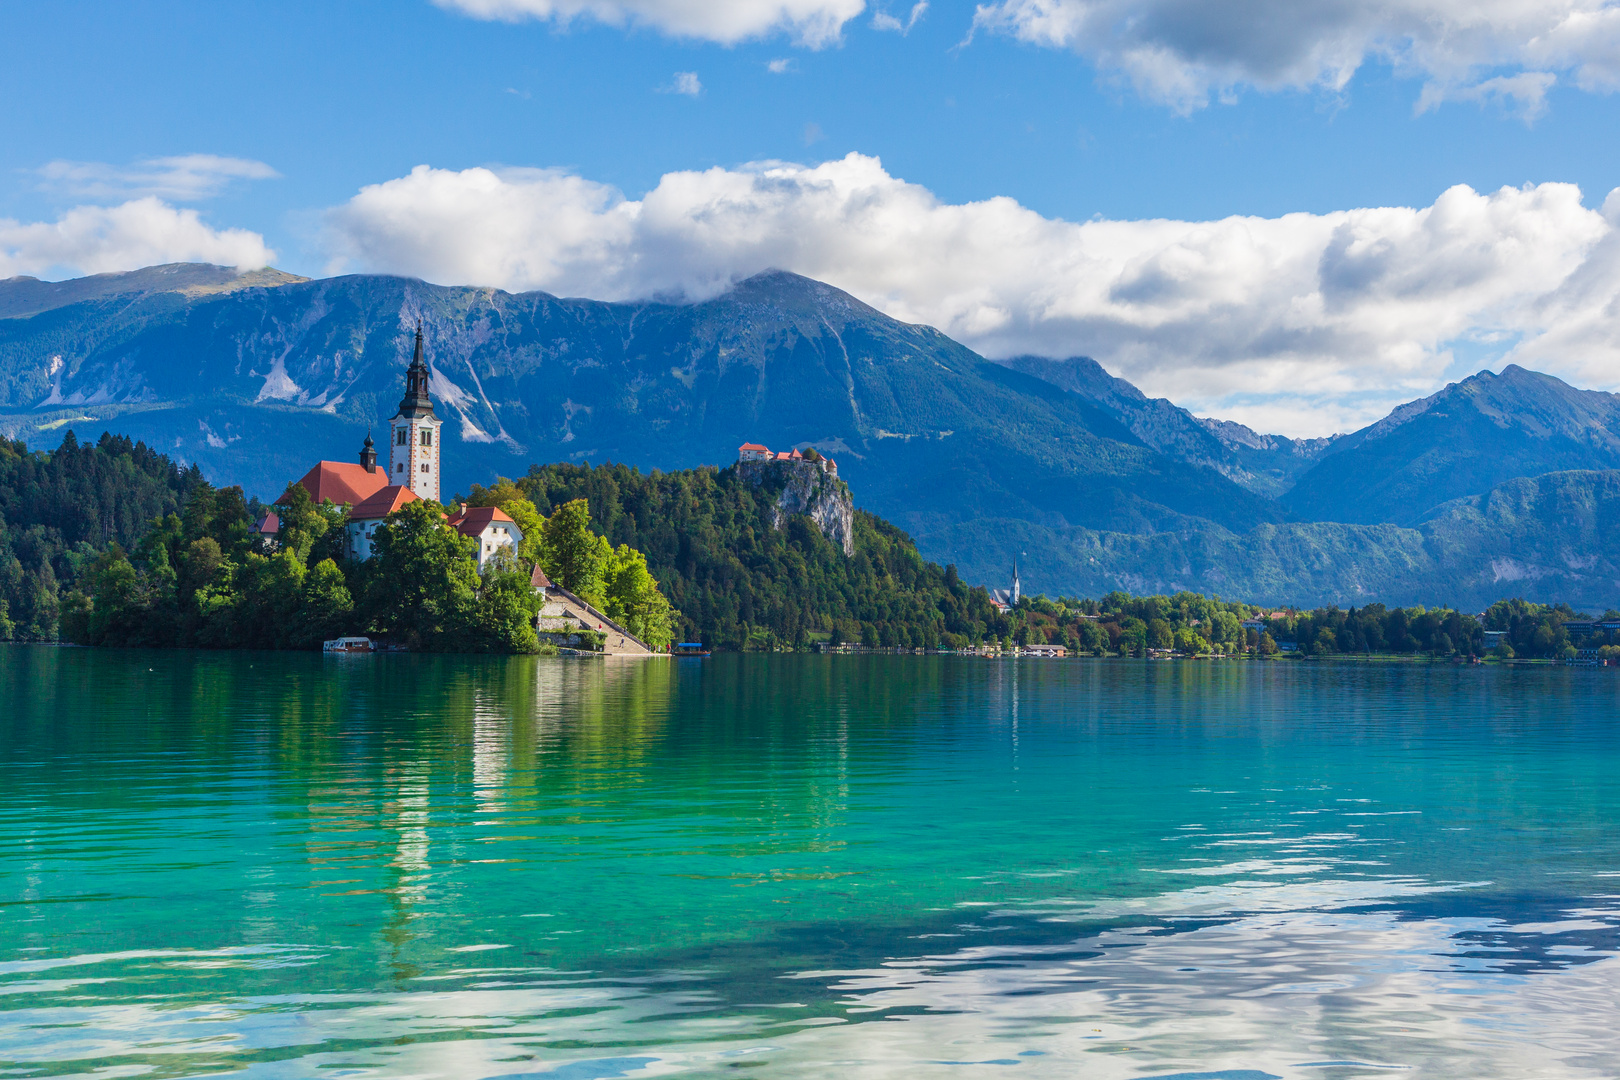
(349, 645)
(688, 648)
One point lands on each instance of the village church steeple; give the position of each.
(414, 459)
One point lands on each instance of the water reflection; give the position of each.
(434, 866)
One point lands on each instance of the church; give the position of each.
(373, 491)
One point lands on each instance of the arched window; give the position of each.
(402, 437)
(427, 436)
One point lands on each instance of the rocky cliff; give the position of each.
(807, 489)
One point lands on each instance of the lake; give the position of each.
(286, 865)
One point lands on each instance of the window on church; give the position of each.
(424, 466)
(427, 436)
(400, 467)
(402, 437)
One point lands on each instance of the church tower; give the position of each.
(414, 445)
(1016, 592)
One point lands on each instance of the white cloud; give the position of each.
(882, 20)
(102, 239)
(1183, 52)
(812, 23)
(1326, 318)
(684, 82)
(185, 178)
(780, 66)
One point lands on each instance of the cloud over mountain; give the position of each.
(1183, 52)
(1305, 323)
(141, 232)
(813, 23)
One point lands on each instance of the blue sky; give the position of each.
(334, 97)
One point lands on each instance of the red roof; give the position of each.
(342, 482)
(383, 503)
(270, 524)
(538, 579)
(753, 446)
(472, 521)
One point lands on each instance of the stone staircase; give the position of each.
(563, 613)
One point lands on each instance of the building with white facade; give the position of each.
(369, 513)
(491, 527)
(414, 433)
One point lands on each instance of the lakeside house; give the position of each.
(491, 527)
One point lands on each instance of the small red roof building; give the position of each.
(383, 502)
(472, 521)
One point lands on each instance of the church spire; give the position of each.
(416, 401)
(368, 454)
(1015, 589)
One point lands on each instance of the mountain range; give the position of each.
(1499, 484)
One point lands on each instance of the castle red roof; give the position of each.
(472, 521)
(382, 503)
(753, 446)
(538, 579)
(342, 482)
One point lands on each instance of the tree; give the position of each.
(1133, 636)
(1160, 636)
(630, 597)
(503, 618)
(571, 554)
(1189, 642)
(325, 609)
(304, 524)
(423, 583)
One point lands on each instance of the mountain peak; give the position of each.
(23, 296)
(795, 291)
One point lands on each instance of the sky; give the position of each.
(1292, 213)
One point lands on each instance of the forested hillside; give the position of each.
(737, 581)
(59, 510)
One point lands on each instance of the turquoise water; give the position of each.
(797, 866)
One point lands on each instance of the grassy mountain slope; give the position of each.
(1462, 441)
(739, 581)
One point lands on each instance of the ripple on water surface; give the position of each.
(804, 866)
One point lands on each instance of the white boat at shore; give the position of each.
(349, 645)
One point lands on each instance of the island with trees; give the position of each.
(112, 543)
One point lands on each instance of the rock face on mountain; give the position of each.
(1265, 464)
(810, 490)
(1462, 441)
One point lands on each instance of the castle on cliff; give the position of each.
(752, 451)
